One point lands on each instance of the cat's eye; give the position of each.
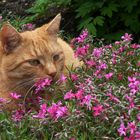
(56, 57)
(34, 62)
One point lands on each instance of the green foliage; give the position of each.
(15, 21)
(107, 19)
(41, 7)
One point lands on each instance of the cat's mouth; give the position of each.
(52, 79)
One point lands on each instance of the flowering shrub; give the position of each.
(101, 99)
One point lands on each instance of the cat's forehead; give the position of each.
(32, 35)
(40, 42)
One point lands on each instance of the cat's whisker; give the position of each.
(28, 91)
(24, 83)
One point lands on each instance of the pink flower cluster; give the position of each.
(14, 95)
(84, 99)
(2, 100)
(105, 65)
(106, 88)
(97, 110)
(82, 51)
(134, 85)
(62, 78)
(28, 26)
(42, 112)
(97, 52)
(127, 37)
(130, 128)
(18, 115)
(82, 37)
(41, 84)
(55, 111)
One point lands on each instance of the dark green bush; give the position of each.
(107, 19)
(103, 18)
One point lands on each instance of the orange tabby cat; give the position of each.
(31, 55)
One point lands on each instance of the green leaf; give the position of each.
(112, 7)
(84, 22)
(64, 2)
(84, 9)
(129, 5)
(132, 21)
(91, 28)
(99, 4)
(99, 20)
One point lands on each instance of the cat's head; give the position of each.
(31, 55)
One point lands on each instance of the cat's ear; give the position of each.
(53, 26)
(10, 38)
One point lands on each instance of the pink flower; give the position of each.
(132, 126)
(97, 72)
(15, 95)
(114, 60)
(127, 37)
(137, 135)
(52, 109)
(128, 98)
(72, 42)
(122, 130)
(131, 104)
(28, 26)
(102, 65)
(133, 84)
(117, 42)
(97, 52)
(135, 46)
(109, 75)
(88, 81)
(138, 117)
(90, 63)
(131, 53)
(87, 101)
(130, 138)
(138, 64)
(131, 79)
(121, 49)
(42, 84)
(113, 98)
(69, 95)
(97, 110)
(62, 78)
(61, 112)
(82, 37)
(2, 100)
(42, 112)
(57, 110)
(107, 46)
(79, 94)
(0, 18)
(18, 115)
(74, 77)
(82, 51)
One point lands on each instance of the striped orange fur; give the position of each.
(31, 55)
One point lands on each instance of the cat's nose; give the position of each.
(51, 70)
(52, 74)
